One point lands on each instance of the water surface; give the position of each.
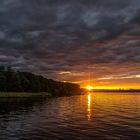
(83, 117)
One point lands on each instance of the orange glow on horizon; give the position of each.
(89, 88)
(109, 87)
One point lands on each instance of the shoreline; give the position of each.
(24, 95)
(48, 95)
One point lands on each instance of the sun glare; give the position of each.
(89, 87)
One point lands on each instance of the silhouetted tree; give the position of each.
(28, 82)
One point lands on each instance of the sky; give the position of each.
(68, 39)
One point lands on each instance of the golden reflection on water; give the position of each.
(89, 107)
(111, 102)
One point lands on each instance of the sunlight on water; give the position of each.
(89, 106)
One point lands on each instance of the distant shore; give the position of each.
(112, 90)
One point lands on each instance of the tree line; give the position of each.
(16, 81)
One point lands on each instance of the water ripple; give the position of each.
(83, 117)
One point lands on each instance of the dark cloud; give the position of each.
(50, 36)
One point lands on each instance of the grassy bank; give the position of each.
(22, 95)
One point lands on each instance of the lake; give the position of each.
(111, 116)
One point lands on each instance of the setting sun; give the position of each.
(89, 87)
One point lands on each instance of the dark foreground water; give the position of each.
(113, 116)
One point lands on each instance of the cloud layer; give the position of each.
(65, 39)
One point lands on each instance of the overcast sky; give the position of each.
(65, 39)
